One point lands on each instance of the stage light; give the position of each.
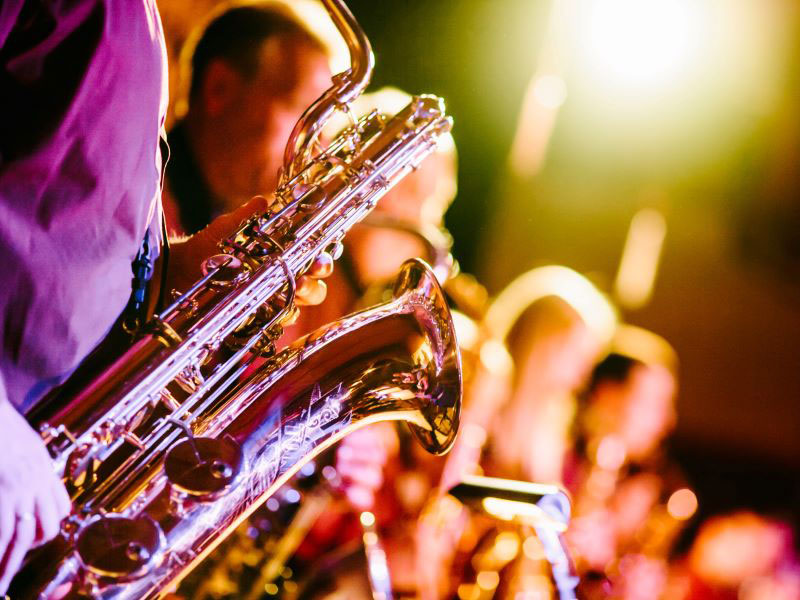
(640, 258)
(682, 504)
(641, 43)
(550, 91)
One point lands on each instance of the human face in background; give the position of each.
(640, 410)
(259, 121)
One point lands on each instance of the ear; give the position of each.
(221, 85)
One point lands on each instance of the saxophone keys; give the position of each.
(116, 549)
(202, 469)
(227, 270)
(322, 265)
(335, 250)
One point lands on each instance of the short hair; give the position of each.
(236, 34)
(633, 347)
(614, 368)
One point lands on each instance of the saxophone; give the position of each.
(179, 440)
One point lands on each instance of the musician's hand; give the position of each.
(360, 460)
(187, 256)
(33, 500)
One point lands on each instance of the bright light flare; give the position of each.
(642, 43)
(550, 91)
(640, 258)
(682, 504)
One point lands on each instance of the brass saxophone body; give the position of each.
(179, 439)
(397, 361)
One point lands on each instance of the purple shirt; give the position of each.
(83, 95)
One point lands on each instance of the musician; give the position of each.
(738, 555)
(252, 71)
(619, 472)
(81, 115)
(544, 332)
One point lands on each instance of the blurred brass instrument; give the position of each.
(530, 509)
(171, 447)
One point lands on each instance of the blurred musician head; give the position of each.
(739, 556)
(252, 70)
(623, 525)
(555, 324)
(630, 397)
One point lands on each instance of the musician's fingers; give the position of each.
(321, 267)
(24, 532)
(310, 291)
(226, 224)
(63, 504)
(6, 525)
(46, 517)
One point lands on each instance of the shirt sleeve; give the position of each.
(9, 13)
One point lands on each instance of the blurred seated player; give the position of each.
(629, 500)
(542, 334)
(252, 70)
(739, 556)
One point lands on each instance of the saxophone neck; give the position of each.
(347, 86)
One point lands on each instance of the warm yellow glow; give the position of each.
(682, 504)
(536, 122)
(468, 591)
(642, 43)
(508, 510)
(538, 585)
(290, 587)
(532, 548)
(488, 580)
(367, 519)
(495, 358)
(506, 546)
(318, 20)
(467, 332)
(473, 435)
(370, 538)
(271, 589)
(639, 264)
(513, 485)
(550, 91)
